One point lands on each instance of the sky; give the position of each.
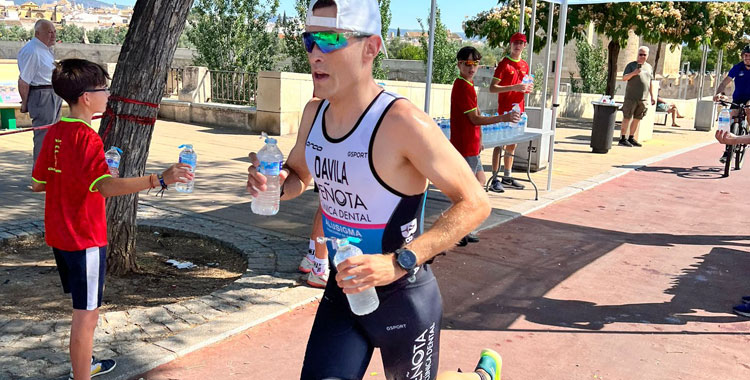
(405, 12)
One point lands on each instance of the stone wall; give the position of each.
(99, 53)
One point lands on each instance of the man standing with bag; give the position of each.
(35, 64)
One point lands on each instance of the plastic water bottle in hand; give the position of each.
(725, 120)
(187, 156)
(528, 79)
(366, 301)
(271, 160)
(112, 156)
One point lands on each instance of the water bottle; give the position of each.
(522, 124)
(187, 156)
(113, 160)
(364, 302)
(271, 159)
(528, 79)
(725, 120)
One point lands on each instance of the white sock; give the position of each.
(319, 265)
(311, 250)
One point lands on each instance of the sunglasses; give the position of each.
(328, 41)
(642, 55)
(469, 63)
(105, 89)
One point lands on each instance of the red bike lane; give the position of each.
(633, 279)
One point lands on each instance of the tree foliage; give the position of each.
(113, 36)
(232, 34)
(15, 33)
(295, 49)
(378, 71)
(717, 24)
(444, 68)
(592, 68)
(70, 33)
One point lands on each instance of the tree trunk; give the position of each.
(141, 73)
(656, 58)
(613, 51)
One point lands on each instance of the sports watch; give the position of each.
(407, 260)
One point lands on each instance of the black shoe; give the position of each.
(624, 142)
(497, 187)
(512, 183)
(463, 242)
(724, 157)
(472, 237)
(634, 143)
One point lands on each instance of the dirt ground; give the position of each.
(30, 284)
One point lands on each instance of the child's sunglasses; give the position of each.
(470, 63)
(328, 41)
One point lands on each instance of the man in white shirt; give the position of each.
(35, 64)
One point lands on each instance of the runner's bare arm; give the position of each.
(434, 157)
(294, 176)
(415, 140)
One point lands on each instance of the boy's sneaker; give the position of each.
(634, 143)
(624, 142)
(512, 183)
(318, 280)
(746, 299)
(472, 237)
(98, 367)
(742, 309)
(497, 187)
(306, 265)
(490, 362)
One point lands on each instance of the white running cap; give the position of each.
(361, 16)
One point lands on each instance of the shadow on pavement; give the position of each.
(507, 274)
(695, 172)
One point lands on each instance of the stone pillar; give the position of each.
(196, 85)
(281, 100)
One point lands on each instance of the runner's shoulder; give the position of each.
(309, 113)
(404, 119)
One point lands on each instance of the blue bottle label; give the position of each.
(271, 168)
(189, 161)
(112, 163)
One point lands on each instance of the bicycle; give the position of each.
(738, 127)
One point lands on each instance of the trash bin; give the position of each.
(604, 126)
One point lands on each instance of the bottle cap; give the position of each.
(186, 146)
(270, 140)
(117, 149)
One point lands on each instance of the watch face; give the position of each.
(407, 259)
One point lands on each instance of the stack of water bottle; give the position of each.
(445, 126)
(494, 133)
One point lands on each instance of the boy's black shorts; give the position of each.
(82, 275)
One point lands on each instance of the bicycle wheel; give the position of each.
(739, 150)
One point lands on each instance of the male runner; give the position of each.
(371, 154)
(740, 73)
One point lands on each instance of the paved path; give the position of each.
(633, 279)
(219, 208)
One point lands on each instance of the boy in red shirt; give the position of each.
(72, 170)
(466, 120)
(507, 84)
